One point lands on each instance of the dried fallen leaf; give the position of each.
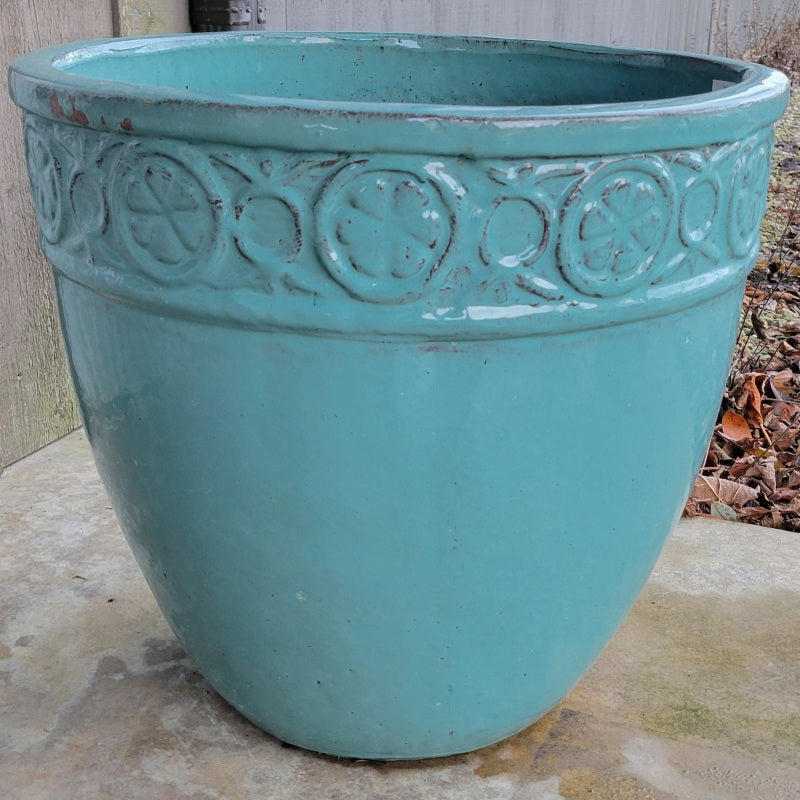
(723, 511)
(792, 480)
(716, 455)
(735, 427)
(787, 438)
(752, 394)
(792, 507)
(753, 512)
(785, 412)
(783, 382)
(754, 291)
(741, 466)
(691, 509)
(728, 492)
(791, 297)
(763, 471)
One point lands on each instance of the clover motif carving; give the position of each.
(614, 224)
(162, 212)
(382, 234)
(44, 170)
(748, 191)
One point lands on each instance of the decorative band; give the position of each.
(394, 243)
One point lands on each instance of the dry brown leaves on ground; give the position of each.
(752, 469)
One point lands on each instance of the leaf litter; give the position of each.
(752, 468)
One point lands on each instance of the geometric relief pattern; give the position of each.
(160, 208)
(748, 194)
(614, 225)
(382, 233)
(133, 215)
(44, 170)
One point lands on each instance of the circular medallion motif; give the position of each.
(697, 219)
(698, 210)
(614, 223)
(516, 234)
(382, 234)
(270, 229)
(748, 196)
(162, 213)
(44, 170)
(88, 203)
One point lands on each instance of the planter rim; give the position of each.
(41, 82)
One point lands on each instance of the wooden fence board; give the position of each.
(695, 25)
(37, 404)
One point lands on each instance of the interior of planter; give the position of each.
(392, 69)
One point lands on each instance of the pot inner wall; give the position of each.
(414, 70)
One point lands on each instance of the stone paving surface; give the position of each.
(696, 698)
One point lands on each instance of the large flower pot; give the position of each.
(397, 354)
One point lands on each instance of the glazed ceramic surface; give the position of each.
(397, 354)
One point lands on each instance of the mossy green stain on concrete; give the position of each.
(704, 669)
(776, 737)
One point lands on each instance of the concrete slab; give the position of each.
(696, 698)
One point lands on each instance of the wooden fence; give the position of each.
(702, 26)
(36, 400)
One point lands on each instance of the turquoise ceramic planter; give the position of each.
(397, 354)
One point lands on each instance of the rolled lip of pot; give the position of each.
(749, 97)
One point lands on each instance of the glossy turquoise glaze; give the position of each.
(397, 354)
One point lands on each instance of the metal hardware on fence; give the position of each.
(227, 15)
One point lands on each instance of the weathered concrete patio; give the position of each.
(696, 698)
